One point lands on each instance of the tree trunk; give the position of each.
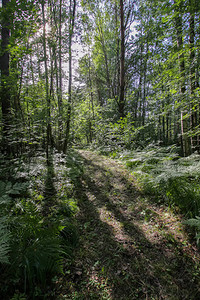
(116, 79)
(60, 116)
(5, 89)
(193, 106)
(144, 83)
(71, 30)
(184, 122)
(122, 62)
(109, 86)
(48, 102)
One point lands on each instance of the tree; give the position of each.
(72, 12)
(48, 101)
(5, 85)
(193, 104)
(122, 61)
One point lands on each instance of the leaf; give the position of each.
(193, 222)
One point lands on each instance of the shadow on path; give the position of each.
(118, 258)
(49, 188)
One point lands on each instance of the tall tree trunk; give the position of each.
(60, 123)
(197, 82)
(91, 121)
(193, 106)
(109, 85)
(48, 101)
(5, 89)
(71, 30)
(140, 85)
(116, 79)
(144, 83)
(184, 121)
(122, 62)
(159, 128)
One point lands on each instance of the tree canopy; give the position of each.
(120, 77)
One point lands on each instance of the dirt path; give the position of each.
(130, 248)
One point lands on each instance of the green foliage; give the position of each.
(4, 241)
(74, 165)
(35, 246)
(41, 259)
(195, 223)
(19, 296)
(9, 190)
(39, 245)
(39, 234)
(162, 173)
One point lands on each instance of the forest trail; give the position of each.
(130, 247)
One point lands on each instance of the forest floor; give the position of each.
(130, 247)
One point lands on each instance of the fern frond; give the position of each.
(4, 241)
(193, 222)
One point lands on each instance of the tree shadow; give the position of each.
(117, 259)
(49, 188)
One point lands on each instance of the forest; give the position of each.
(100, 149)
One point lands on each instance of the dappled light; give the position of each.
(100, 150)
(126, 252)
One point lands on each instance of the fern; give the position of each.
(161, 172)
(9, 190)
(39, 244)
(42, 259)
(4, 241)
(195, 223)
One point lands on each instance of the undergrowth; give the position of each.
(167, 177)
(37, 226)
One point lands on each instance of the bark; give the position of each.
(185, 143)
(167, 128)
(5, 89)
(91, 92)
(116, 80)
(140, 85)
(193, 108)
(91, 120)
(110, 93)
(51, 76)
(48, 101)
(160, 128)
(197, 84)
(71, 30)
(122, 62)
(144, 83)
(60, 109)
